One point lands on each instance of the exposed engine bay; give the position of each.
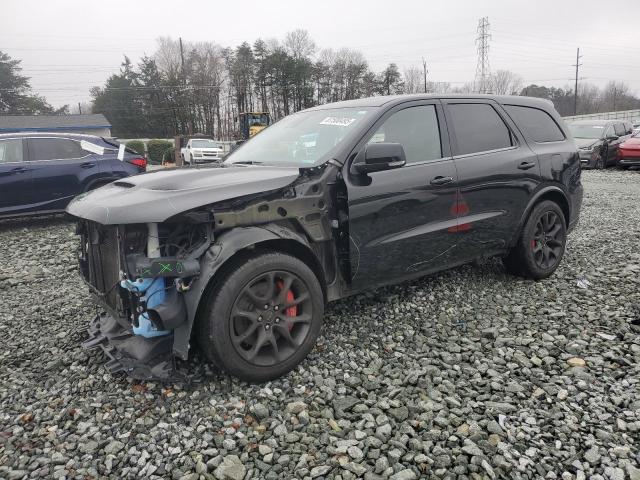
(150, 278)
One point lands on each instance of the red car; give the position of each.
(629, 152)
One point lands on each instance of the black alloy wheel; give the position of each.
(262, 316)
(548, 243)
(541, 244)
(271, 317)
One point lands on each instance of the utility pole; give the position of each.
(424, 66)
(483, 72)
(79, 108)
(184, 83)
(575, 91)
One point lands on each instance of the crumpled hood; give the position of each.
(586, 142)
(156, 196)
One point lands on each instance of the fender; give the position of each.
(223, 248)
(536, 197)
(99, 181)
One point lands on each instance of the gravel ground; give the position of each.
(468, 374)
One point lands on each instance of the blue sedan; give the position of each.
(42, 172)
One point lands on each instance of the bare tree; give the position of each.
(299, 44)
(505, 82)
(413, 80)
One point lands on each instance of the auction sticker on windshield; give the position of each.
(338, 121)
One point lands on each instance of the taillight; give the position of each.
(139, 162)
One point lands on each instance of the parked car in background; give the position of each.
(321, 205)
(636, 128)
(201, 150)
(42, 172)
(629, 152)
(598, 140)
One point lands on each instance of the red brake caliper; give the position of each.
(292, 311)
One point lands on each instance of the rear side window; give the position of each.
(11, 151)
(54, 149)
(620, 130)
(536, 123)
(478, 128)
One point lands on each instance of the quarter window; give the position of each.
(535, 123)
(416, 129)
(11, 151)
(478, 128)
(54, 149)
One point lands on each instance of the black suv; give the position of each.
(325, 203)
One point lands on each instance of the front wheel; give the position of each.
(541, 244)
(601, 160)
(263, 317)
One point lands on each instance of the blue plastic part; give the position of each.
(154, 294)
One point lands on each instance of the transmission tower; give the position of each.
(483, 73)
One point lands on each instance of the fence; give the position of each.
(631, 115)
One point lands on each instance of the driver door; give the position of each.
(402, 222)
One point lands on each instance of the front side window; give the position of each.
(416, 129)
(536, 123)
(54, 149)
(11, 151)
(619, 129)
(478, 128)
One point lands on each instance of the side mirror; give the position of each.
(612, 137)
(379, 157)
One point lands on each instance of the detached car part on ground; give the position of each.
(323, 204)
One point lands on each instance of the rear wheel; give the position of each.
(262, 318)
(541, 244)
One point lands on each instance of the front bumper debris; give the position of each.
(139, 357)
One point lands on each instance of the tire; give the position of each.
(236, 330)
(600, 163)
(190, 159)
(541, 244)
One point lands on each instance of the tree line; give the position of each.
(201, 87)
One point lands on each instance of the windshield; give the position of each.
(204, 144)
(260, 119)
(301, 139)
(587, 131)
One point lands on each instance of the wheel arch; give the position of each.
(553, 193)
(221, 257)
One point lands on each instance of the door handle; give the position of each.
(88, 164)
(526, 165)
(19, 170)
(441, 180)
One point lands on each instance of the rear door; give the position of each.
(15, 177)
(497, 174)
(401, 221)
(60, 169)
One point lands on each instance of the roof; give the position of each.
(17, 123)
(27, 134)
(388, 100)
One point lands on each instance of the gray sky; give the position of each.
(68, 46)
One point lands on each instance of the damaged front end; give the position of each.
(139, 274)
